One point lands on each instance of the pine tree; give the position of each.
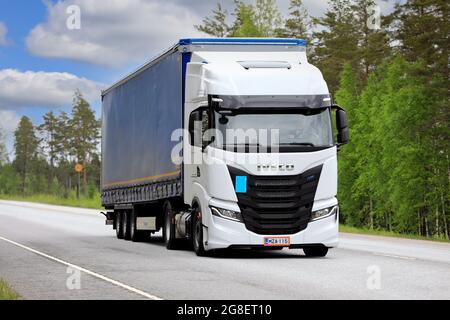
(62, 137)
(267, 17)
(84, 131)
(48, 130)
(3, 152)
(373, 43)
(422, 28)
(26, 150)
(262, 19)
(245, 24)
(65, 164)
(216, 25)
(337, 42)
(298, 25)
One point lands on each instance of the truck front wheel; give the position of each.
(315, 251)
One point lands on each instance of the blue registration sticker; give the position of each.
(241, 184)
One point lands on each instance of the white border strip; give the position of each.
(94, 274)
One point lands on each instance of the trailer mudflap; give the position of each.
(110, 216)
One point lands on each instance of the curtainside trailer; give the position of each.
(226, 143)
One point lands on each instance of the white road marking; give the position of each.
(394, 256)
(94, 274)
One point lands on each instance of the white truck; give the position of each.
(227, 143)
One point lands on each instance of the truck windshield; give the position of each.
(306, 128)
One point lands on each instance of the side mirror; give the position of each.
(195, 128)
(343, 136)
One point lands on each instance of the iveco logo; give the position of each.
(280, 167)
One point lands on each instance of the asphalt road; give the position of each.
(43, 248)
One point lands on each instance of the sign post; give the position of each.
(78, 169)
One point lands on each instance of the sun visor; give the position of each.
(272, 102)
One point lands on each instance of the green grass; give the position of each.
(6, 293)
(71, 201)
(375, 232)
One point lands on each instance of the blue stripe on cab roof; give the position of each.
(244, 41)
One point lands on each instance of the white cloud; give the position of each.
(8, 121)
(43, 89)
(113, 32)
(3, 32)
(126, 32)
(317, 8)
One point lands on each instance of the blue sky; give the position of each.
(23, 60)
(21, 16)
(42, 61)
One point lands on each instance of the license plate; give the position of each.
(277, 242)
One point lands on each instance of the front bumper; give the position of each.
(221, 233)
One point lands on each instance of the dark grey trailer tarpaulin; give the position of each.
(139, 116)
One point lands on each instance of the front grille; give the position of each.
(275, 205)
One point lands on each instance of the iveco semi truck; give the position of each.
(225, 143)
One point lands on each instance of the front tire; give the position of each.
(316, 251)
(197, 234)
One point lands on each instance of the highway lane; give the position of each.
(38, 242)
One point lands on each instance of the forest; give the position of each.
(390, 73)
(45, 155)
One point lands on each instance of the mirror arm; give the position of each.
(336, 107)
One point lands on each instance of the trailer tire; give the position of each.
(197, 234)
(119, 225)
(315, 251)
(126, 225)
(137, 235)
(169, 227)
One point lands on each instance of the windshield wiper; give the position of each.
(246, 145)
(307, 144)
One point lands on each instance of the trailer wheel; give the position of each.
(169, 227)
(315, 251)
(126, 225)
(119, 225)
(197, 233)
(137, 235)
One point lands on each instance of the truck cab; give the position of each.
(260, 160)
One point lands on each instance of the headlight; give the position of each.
(324, 213)
(227, 214)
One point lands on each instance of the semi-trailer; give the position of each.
(226, 143)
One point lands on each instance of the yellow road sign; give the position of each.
(79, 168)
